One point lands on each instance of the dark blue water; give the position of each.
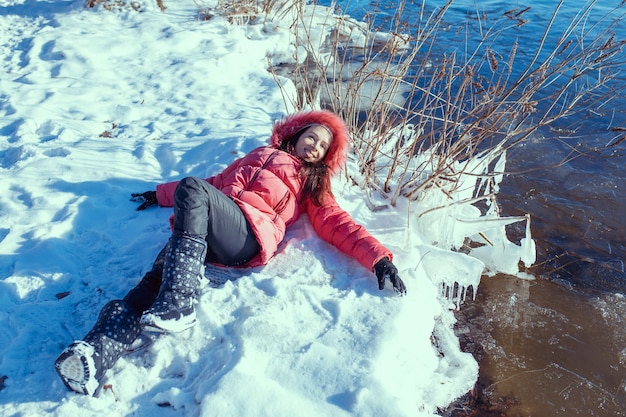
(556, 345)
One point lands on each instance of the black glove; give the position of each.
(385, 269)
(146, 199)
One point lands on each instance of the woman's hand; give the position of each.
(146, 199)
(385, 269)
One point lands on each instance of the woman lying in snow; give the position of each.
(235, 218)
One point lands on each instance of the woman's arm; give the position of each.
(336, 226)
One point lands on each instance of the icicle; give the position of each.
(453, 272)
(456, 294)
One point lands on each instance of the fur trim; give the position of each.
(285, 129)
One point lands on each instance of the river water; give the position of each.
(555, 345)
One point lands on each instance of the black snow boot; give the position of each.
(173, 310)
(82, 365)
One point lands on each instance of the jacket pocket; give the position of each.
(280, 206)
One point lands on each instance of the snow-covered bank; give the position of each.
(97, 104)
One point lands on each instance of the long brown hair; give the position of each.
(316, 175)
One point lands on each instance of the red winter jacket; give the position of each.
(266, 185)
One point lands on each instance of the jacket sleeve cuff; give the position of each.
(382, 256)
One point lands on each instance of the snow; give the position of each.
(96, 104)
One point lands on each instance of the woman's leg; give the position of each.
(83, 364)
(208, 225)
(202, 210)
(142, 296)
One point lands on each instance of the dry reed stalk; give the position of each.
(457, 106)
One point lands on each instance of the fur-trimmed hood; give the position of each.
(285, 129)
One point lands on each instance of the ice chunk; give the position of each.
(455, 272)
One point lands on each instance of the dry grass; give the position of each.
(422, 116)
(115, 4)
(419, 117)
(243, 12)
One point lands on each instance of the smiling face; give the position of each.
(313, 144)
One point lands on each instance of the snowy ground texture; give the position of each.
(97, 104)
